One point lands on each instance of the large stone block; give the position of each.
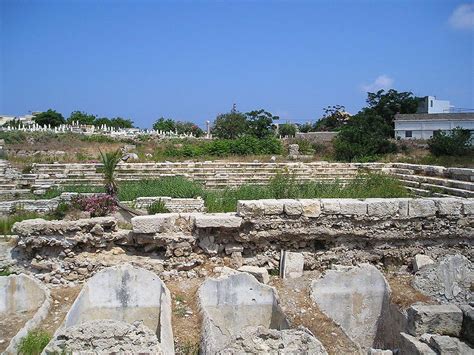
(448, 206)
(157, 223)
(412, 346)
(356, 298)
(310, 207)
(293, 208)
(443, 344)
(421, 261)
(331, 206)
(468, 206)
(250, 208)
(218, 220)
(380, 207)
(421, 208)
(353, 207)
(272, 207)
(260, 273)
(443, 319)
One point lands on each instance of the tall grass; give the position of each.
(6, 223)
(286, 186)
(176, 186)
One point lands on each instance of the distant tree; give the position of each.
(189, 128)
(81, 118)
(260, 123)
(333, 119)
(101, 121)
(305, 127)
(387, 104)
(49, 117)
(164, 124)
(119, 122)
(287, 130)
(456, 142)
(230, 125)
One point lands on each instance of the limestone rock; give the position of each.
(345, 296)
(291, 265)
(467, 331)
(260, 273)
(411, 345)
(420, 261)
(439, 319)
(217, 220)
(447, 345)
(449, 280)
(261, 340)
(421, 208)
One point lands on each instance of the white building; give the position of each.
(423, 125)
(430, 104)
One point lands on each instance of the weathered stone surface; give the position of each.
(468, 206)
(125, 293)
(467, 331)
(157, 223)
(261, 340)
(217, 220)
(207, 244)
(42, 227)
(353, 207)
(105, 336)
(421, 261)
(443, 344)
(293, 207)
(448, 206)
(379, 352)
(411, 345)
(250, 208)
(440, 319)
(291, 265)
(273, 207)
(355, 298)
(449, 280)
(235, 302)
(382, 207)
(260, 273)
(421, 208)
(310, 207)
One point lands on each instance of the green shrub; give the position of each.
(5, 271)
(157, 207)
(455, 143)
(60, 211)
(27, 169)
(6, 223)
(13, 137)
(34, 342)
(364, 135)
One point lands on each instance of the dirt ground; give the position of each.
(10, 325)
(403, 293)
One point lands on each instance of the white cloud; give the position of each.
(462, 17)
(381, 82)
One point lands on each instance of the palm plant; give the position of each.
(110, 161)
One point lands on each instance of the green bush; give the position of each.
(34, 342)
(157, 207)
(365, 135)
(13, 137)
(245, 145)
(455, 143)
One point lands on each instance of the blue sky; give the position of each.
(191, 60)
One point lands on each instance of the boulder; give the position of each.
(449, 280)
(260, 273)
(467, 331)
(447, 345)
(356, 298)
(441, 319)
(412, 346)
(420, 261)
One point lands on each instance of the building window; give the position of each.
(431, 103)
(408, 134)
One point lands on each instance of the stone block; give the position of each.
(207, 244)
(310, 207)
(157, 223)
(293, 207)
(447, 345)
(217, 220)
(467, 331)
(353, 207)
(260, 273)
(420, 261)
(233, 248)
(421, 208)
(250, 208)
(291, 265)
(443, 319)
(380, 207)
(272, 207)
(468, 206)
(331, 206)
(412, 346)
(448, 206)
(379, 352)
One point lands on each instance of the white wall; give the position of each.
(423, 129)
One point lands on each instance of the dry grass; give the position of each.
(403, 293)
